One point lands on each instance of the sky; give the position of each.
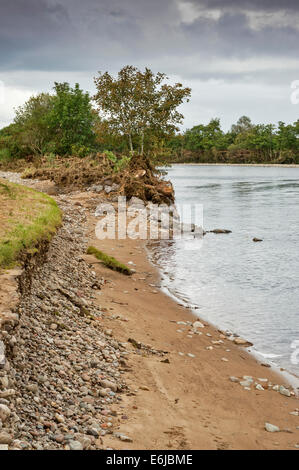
(240, 57)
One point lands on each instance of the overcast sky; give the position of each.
(238, 56)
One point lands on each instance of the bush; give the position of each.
(5, 155)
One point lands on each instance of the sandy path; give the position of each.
(189, 403)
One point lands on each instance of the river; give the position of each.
(249, 288)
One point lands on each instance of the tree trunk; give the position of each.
(142, 143)
(130, 143)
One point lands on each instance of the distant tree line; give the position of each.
(244, 143)
(134, 113)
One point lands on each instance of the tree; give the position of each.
(72, 119)
(205, 137)
(139, 104)
(244, 124)
(61, 123)
(10, 145)
(287, 136)
(32, 123)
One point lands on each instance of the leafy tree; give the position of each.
(71, 119)
(61, 123)
(139, 104)
(244, 124)
(287, 136)
(9, 145)
(32, 124)
(205, 137)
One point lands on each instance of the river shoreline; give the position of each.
(273, 165)
(286, 375)
(211, 412)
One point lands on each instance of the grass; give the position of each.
(27, 217)
(109, 261)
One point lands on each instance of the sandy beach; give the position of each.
(187, 401)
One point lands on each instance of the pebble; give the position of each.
(125, 438)
(5, 438)
(234, 379)
(246, 383)
(284, 391)
(198, 324)
(271, 427)
(242, 342)
(4, 412)
(259, 387)
(75, 445)
(93, 432)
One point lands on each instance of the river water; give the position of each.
(251, 289)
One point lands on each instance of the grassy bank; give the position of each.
(27, 217)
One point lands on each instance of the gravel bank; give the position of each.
(63, 373)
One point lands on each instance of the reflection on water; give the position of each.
(249, 288)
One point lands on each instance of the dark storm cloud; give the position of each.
(27, 26)
(239, 56)
(69, 34)
(232, 35)
(76, 35)
(250, 4)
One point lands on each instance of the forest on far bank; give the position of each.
(137, 113)
(245, 142)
